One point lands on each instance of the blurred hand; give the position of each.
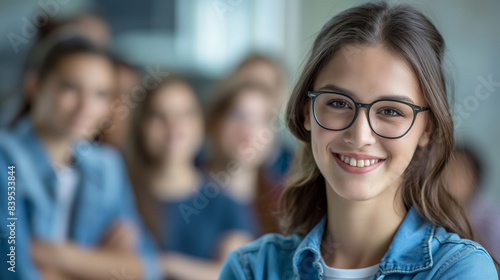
(47, 255)
(50, 274)
(123, 236)
(50, 258)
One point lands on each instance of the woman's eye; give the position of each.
(155, 116)
(339, 104)
(68, 86)
(390, 112)
(103, 94)
(238, 115)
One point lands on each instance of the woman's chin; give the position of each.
(359, 192)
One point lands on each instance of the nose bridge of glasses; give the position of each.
(362, 105)
(357, 115)
(367, 106)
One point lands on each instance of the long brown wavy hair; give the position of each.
(411, 36)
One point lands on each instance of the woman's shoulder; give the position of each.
(458, 258)
(449, 241)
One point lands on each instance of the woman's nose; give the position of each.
(360, 132)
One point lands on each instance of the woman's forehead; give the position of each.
(368, 73)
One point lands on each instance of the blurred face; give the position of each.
(173, 126)
(75, 97)
(367, 75)
(244, 133)
(462, 180)
(261, 71)
(265, 73)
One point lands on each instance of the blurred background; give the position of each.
(196, 81)
(206, 39)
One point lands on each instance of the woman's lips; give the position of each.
(360, 166)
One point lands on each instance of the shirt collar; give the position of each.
(409, 251)
(82, 151)
(25, 130)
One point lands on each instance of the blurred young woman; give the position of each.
(367, 196)
(241, 136)
(196, 223)
(257, 68)
(76, 217)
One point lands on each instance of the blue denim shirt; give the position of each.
(104, 195)
(419, 250)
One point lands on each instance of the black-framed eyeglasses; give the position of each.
(388, 118)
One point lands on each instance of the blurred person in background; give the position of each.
(194, 220)
(258, 68)
(86, 23)
(240, 140)
(465, 173)
(263, 69)
(75, 211)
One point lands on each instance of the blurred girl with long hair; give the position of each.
(192, 216)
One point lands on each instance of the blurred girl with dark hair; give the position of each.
(240, 139)
(193, 218)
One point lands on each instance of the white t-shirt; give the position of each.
(365, 273)
(67, 182)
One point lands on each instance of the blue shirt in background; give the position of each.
(103, 196)
(196, 225)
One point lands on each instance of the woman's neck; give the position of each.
(358, 233)
(59, 148)
(172, 180)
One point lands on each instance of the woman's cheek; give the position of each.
(399, 157)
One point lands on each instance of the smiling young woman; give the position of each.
(367, 196)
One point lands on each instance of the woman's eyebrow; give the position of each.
(403, 98)
(331, 87)
(335, 88)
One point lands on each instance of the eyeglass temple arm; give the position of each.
(421, 109)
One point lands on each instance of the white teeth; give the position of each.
(357, 163)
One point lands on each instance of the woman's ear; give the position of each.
(426, 136)
(307, 118)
